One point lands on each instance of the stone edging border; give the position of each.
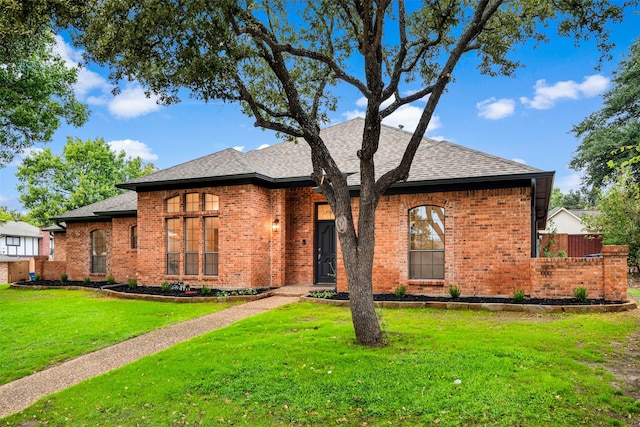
(147, 297)
(526, 308)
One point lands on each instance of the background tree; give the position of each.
(611, 136)
(619, 215)
(282, 61)
(85, 173)
(574, 199)
(10, 215)
(36, 87)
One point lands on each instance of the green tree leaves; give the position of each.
(85, 173)
(611, 135)
(36, 91)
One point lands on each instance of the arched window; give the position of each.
(426, 242)
(98, 251)
(173, 204)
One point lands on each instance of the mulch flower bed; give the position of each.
(343, 296)
(177, 289)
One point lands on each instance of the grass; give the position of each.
(633, 294)
(300, 365)
(41, 328)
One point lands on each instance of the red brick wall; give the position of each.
(300, 227)
(123, 260)
(246, 214)
(487, 242)
(78, 249)
(604, 278)
(60, 246)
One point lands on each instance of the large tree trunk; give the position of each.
(357, 254)
(358, 265)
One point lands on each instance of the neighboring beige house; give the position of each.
(571, 237)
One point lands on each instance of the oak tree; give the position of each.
(286, 63)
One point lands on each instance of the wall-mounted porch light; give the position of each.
(275, 225)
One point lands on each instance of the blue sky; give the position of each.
(527, 118)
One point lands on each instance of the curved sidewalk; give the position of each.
(19, 394)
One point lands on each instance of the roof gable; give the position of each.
(19, 229)
(286, 161)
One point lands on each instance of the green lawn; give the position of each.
(41, 328)
(300, 365)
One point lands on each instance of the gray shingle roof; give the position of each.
(19, 229)
(435, 160)
(122, 203)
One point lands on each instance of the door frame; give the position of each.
(316, 245)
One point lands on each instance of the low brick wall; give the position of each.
(604, 278)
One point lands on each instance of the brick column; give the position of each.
(278, 238)
(615, 272)
(39, 264)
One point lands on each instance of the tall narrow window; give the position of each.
(173, 247)
(211, 226)
(426, 245)
(211, 202)
(98, 251)
(191, 246)
(192, 202)
(134, 237)
(173, 204)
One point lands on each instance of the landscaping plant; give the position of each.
(454, 291)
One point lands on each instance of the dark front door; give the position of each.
(325, 252)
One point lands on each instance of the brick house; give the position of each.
(254, 219)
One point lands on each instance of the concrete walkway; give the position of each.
(19, 394)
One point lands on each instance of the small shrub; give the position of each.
(562, 254)
(222, 294)
(205, 290)
(86, 281)
(323, 294)
(401, 291)
(38, 276)
(580, 294)
(518, 295)
(166, 286)
(454, 291)
(64, 277)
(133, 283)
(110, 280)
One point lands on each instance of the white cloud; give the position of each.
(5, 199)
(133, 102)
(87, 80)
(238, 147)
(133, 149)
(262, 146)
(94, 89)
(546, 96)
(524, 162)
(496, 109)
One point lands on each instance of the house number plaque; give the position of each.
(341, 224)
